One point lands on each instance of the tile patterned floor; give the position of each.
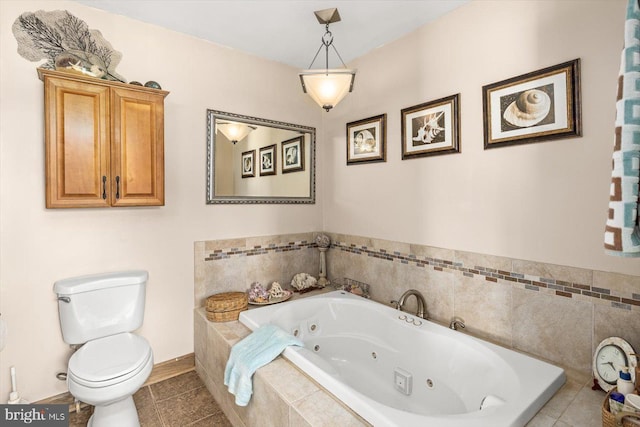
(177, 402)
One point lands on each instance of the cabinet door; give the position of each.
(77, 144)
(137, 148)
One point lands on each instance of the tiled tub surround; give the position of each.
(557, 313)
(355, 348)
(554, 312)
(285, 397)
(233, 264)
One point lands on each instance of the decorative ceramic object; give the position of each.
(276, 291)
(135, 83)
(258, 293)
(303, 282)
(323, 242)
(152, 84)
(81, 62)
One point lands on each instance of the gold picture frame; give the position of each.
(431, 128)
(367, 140)
(538, 106)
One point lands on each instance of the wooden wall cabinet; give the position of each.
(104, 142)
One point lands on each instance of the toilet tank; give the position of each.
(99, 305)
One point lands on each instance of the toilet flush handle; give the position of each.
(64, 299)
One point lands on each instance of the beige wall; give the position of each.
(40, 246)
(543, 202)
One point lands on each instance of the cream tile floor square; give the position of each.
(176, 402)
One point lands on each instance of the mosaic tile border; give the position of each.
(227, 253)
(557, 287)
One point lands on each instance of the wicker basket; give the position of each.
(226, 306)
(625, 419)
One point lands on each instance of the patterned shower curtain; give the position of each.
(622, 232)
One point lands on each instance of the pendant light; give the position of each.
(327, 86)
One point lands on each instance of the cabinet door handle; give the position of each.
(117, 187)
(104, 187)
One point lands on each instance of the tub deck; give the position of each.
(285, 396)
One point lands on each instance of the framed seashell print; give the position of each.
(293, 154)
(367, 140)
(537, 106)
(431, 128)
(268, 160)
(248, 164)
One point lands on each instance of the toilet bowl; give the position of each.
(100, 311)
(106, 372)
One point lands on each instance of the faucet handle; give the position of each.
(395, 303)
(456, 323)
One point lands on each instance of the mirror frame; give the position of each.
(212, 115)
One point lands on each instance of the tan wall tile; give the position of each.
(471, 260)
(552, 271)
(614, 322)
(390, 246)
(299, 261)
(431, 252)
(264, 269)
(359, 241)
(435, 286)
(558, 329)
(321, 410)
(200, 334)
(485, 308)
(266, 407)
(619, 283)
(278, 239)
(225, 275)
(212, 245)
(290, 383)
(296, 420)
(341, 264)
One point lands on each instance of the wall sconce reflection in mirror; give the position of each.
(235, 131)
(231, 136)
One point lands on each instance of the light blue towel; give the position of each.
(256, 350)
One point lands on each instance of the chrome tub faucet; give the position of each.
(422, 304)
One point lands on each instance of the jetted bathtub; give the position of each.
(395, 369)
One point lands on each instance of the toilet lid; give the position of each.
(115, 357)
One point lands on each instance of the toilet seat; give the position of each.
(109, 360)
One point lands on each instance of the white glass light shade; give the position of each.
(327, 87)
(235, 131)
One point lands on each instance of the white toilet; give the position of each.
(100, 311)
